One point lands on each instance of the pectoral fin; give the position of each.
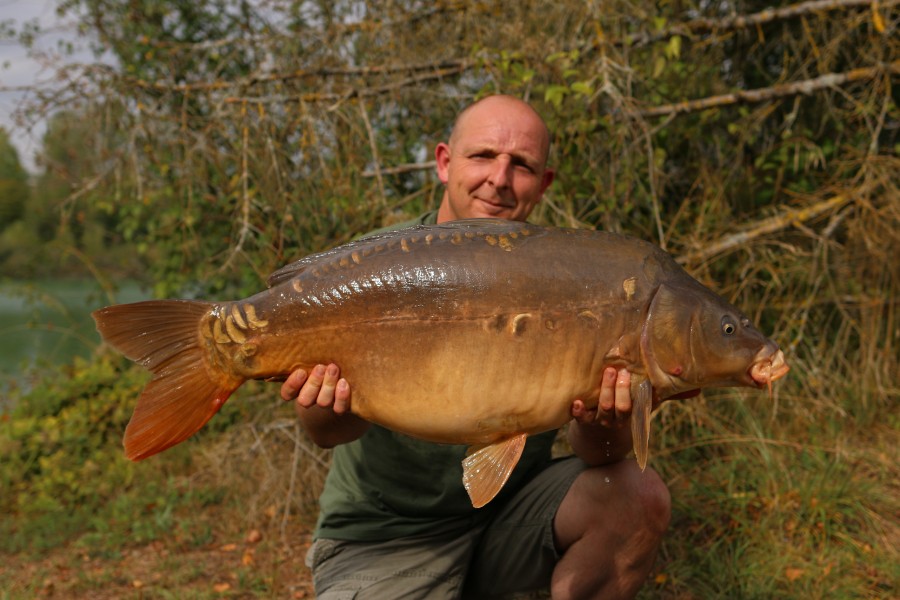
(641, 403)
(486, 468)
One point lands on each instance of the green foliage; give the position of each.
(65, 476)
(14, 190)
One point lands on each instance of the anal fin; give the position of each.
(641, 403)
(487, 468)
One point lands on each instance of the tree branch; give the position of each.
(806, 86)
(404, 168)
(696, 26)
(355, 92)
(763, 227)
(450, 64)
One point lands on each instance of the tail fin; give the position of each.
(164, 337)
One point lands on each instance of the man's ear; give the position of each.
(442, 157)
(549, 176)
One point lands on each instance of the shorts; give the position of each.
(511, 556)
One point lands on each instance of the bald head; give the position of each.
(509, 107)
(495, 163)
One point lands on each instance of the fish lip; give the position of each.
(768, 366)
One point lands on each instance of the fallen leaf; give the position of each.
(228, 548)
(660, 578)
(137, 583)
(247, 559)
(254, 537)
(221, 587)
(793, 574)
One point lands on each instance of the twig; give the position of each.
(768, 15)
(400, 169)
(807, 86)
(353, 92)
(376, 158)
(429, 67)
(769, 225)
(245, 192)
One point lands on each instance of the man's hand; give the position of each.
(323, 387)
(322, 403)
(598, 435)
(614, 404)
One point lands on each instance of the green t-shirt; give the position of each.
(386, 485)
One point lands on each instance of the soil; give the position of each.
(260, 564)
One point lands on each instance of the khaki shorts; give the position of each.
(512, 556)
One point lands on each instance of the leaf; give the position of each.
(793, 574)
(555, 94)
(673, 48)
(659, 65)
(585, 88)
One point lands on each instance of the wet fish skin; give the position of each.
(476, 332)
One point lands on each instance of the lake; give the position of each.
(48, 322)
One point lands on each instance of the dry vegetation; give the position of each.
(760, 146)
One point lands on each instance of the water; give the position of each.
(48, 322)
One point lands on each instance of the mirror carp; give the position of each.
(477, 332)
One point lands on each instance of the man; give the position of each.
(395, 521)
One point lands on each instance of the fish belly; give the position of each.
(461, 380)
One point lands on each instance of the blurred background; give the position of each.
(187, 149)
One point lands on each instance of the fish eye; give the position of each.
(728, 326)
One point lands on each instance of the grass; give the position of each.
(777, 508)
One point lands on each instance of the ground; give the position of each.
(257, 565)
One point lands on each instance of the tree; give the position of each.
(14, 189)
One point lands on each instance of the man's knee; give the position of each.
(619, 499)
(653, 498)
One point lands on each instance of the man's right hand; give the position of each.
(322, 403)
(322, 387)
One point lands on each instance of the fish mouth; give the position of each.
(768, 368)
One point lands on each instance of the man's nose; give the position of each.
(500, 172)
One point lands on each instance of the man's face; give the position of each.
(495, 163)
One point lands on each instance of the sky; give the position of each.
(17, 69)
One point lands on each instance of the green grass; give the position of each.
(777, 508)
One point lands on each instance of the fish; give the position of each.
(478, 332)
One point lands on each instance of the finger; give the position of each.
(607, 401)
(292, 384)
(581, 413)
(623, 395)
(342, 397)
(310, 390)
(325, 397)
